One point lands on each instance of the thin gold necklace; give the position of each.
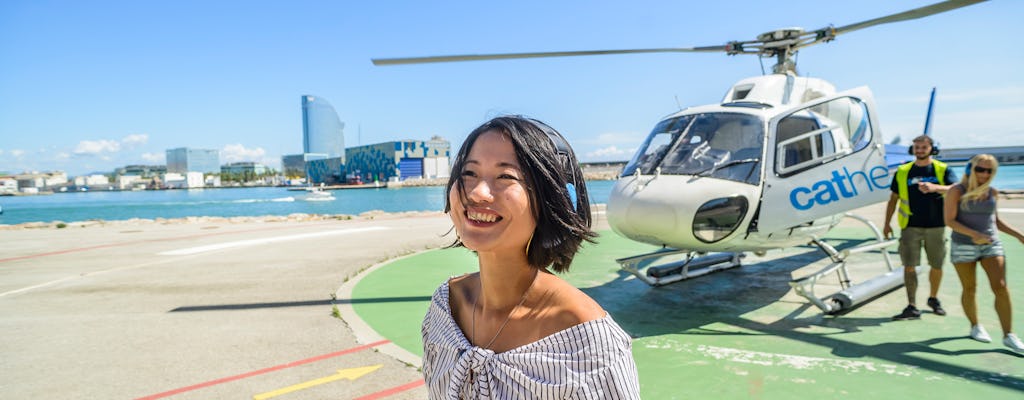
(508, 317)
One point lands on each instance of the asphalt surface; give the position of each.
(232, 311)
(239, 311)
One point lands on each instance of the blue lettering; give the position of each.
(796, 202)
(838, 179)
(826, 189)
(850, 176)
(838, 186)
(880, 173)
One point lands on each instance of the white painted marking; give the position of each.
(788, 360)
(90, 273)
(255, 242)
(1012, 210)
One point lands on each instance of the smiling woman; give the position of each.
(514, 329)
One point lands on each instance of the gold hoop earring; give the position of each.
(528, 243)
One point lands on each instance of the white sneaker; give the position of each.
(1013, 342)
(978, 333)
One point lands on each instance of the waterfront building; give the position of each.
(322, 130)
(329, 171)
(41, 180)
(8, 185)
(245, 168)
(184, 159)
(293, 166)
(400, 160)
(189, 180)
(1006, 155)
(128, 182)
(92, 180)
(145, 171)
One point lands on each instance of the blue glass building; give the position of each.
(400, 160)
(322, 131)
(183, 160)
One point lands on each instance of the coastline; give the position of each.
(295, 217)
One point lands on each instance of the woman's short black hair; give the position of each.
(550, 174)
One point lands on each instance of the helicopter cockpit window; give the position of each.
(650, 154)
(821, 133)
(719, 145)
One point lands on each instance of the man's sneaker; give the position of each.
(936, 306)
(978, 333)
(910, 312)
(1013, 342)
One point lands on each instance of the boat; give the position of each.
(317, 194)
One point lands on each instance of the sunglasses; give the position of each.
(983, 170)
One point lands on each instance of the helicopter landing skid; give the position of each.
(690, 267)
(851, 295)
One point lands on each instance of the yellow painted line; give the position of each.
(350, 374)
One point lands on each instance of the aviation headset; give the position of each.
(935, 149)
(564, 152)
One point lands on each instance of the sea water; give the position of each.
(234, 202)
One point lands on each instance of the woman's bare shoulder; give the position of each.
(461, 287)
(572, 306)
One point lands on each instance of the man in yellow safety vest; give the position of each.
(917, 190)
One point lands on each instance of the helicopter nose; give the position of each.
(641, 215)
(652, 218)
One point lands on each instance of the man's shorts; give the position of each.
(969, 252)
(933, 240)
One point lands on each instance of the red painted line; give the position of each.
(394, 390)
(262, 371)
(134, 242)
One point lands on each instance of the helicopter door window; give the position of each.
(821, 133)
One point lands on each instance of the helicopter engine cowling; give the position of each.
(662, 210)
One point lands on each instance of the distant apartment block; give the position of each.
(322, 130)
(183, 160)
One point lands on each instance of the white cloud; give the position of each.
(17, 153)
(96, 147)
(610, 153)
(238, 152)
(135, 140)
(156, 158)
(63, 156)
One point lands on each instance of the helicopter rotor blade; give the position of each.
(907, 15)
(506, 56)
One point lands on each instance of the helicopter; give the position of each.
(778, 162)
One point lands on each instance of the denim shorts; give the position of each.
(969, 252)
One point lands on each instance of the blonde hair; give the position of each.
(973, 191)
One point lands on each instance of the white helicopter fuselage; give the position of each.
(776, 164)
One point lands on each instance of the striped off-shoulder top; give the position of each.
(591, 360)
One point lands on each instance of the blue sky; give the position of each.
(93, 85)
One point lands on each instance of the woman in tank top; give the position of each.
(970, 211)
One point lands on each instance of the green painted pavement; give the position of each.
(743, 333)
